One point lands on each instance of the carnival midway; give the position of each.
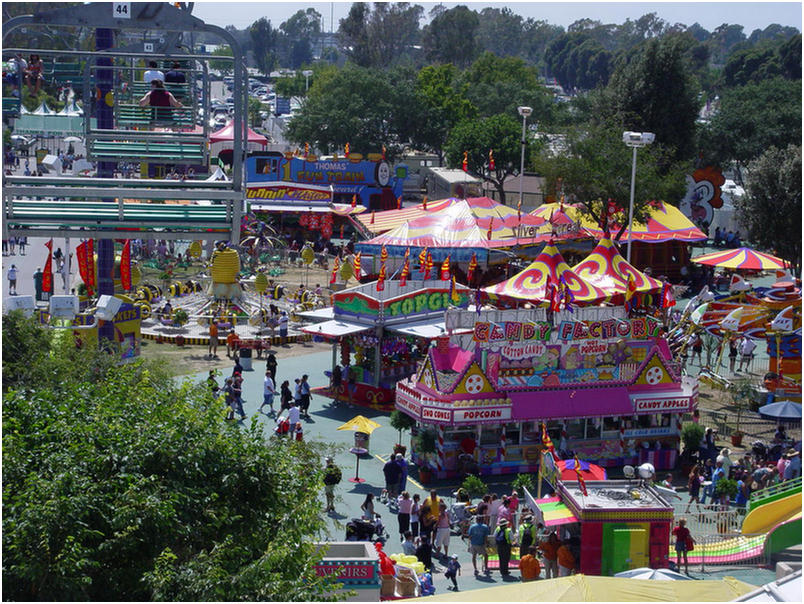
(519, 405)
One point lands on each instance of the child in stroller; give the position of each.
(359, 529)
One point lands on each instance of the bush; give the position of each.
(726, 486)
(523, 481)
(691, 436)
(474, 486)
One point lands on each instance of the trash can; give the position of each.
(245, 358)
(362, 440)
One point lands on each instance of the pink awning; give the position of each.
(561, 404)
(226, 134)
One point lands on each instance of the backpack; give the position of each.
(527, 538)
(500, 536)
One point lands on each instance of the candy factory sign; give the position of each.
(514, 331)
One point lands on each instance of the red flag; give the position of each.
(519, 210)
(403, 276)
(83, 265)
(372, 217)
(125, 266)
(491, 228)
(491, 159)
(472, 268)
(399, 203)
(554, 296)
(428, 265)
(381, 278)
(354, 201)
(47, 275)
(335, 266)
(424, 203)
(423, 260)
(445, 276)
(383, 254)
(356, 264)
(91, 262)
(547, 442)
(346, 150)
(465, 162)
(667, 296)
(383, 152)
(581, 481)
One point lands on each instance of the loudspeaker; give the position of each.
(107, 307)
(24, 303)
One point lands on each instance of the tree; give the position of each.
(752, 119)
(381, 37)
(223, 66)
(451, 36)
(578, 61)
(353, 36)
(255, 107)
(652, 90)
(771, 208)
(500, 32)
(498, 133)
(298, 33)
(536, 36)
(121, 484)
(264, 39)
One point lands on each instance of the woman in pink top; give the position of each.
(513, 503)
(505, 512)
(404, 505)
(442, 529)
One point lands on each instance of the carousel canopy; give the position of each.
(609, 271)
(531, 283)
(463, 226)
(380, 222)
(226, 134)
(741, 258)
(664, 223)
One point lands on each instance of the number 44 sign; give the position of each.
(121, 10)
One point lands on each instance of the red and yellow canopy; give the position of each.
(741, 258)
(531, 283)
(664, 223)
(391, 219)
(609, 271)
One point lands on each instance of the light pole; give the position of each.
(524, 112)
(307, 73)
(634, 140)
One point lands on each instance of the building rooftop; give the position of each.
(615, 494)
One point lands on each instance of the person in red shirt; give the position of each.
(683, 539)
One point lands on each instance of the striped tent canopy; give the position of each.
(391, 219)
(609, 271)
(741, 258)
(345, 209)
(664, 223)
(531, 283)
(459, 230)
(71, 109)
(43, 109)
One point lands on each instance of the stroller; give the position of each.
(359, 529)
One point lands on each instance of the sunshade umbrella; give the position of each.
(784, 411)
(589, 471)
(360, 424)
(660, 574)
(741, 258)
(73, 139)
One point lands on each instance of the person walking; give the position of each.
(391, 472)
(403, 472)
(404, 505)
(12, 279)
(285, 395)
(212, 349)
(228, 394)
(237, 387)
(332, 477)
(694, 487)
(478, 533)
(212, 383)
(293, 418)
(415, 509)
(683, 540)
(270, 365)
(503, 540)
(431, 507)
(22, 242)
(368, 507)
(268, 393)
(283, 327)
(442, 530)
(304, 391)
(453, 569)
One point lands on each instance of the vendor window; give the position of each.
(611, 423)
(593, 427)
(490, 436)
(575, 428)
(512, 434)
(645, 421)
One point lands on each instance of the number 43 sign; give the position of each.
(121, 10)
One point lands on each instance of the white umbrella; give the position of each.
(658, 574)
(73, 139)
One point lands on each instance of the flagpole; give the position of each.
(541, 463)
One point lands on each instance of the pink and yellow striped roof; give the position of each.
(609, 271)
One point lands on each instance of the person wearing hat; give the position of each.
(527, 535)
(793, 468)
(332, 476)
(727, 462)
(503, 538)
(453, 570)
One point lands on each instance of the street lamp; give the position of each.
(307, 73)
(524, 112)
(634, 140)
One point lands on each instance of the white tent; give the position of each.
(218, 175)
(71, 109)
(43, 109)
(23, 110)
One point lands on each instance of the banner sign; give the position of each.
(81, 255)
(288, 192)
(515, 331)
(125, 266)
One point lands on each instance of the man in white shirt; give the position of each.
(746, 350)
(153, 73)
(293, 418)
(268, 392)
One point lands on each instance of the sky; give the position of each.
(751, 15)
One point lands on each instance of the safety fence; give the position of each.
(714, 520)
(716, 551)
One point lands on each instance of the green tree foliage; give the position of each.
(653, 91)
(790, 56)
(597, 167)
(536, 36)
(578, 61)
(500, 133)
(121, 484)
(264, 40)
(771, 209)
(452, 36)
(222, 65)
(498, 85)
(298, 34)
(723, 40)
(752, 119)
(367, 108)
(382, 36)
(500, 32)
